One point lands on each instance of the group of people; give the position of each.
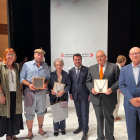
(79, 86)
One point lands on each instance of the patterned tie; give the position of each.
(101, 72)
(77, 73)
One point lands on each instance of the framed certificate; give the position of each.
(58, 87)
(38, 82)
(101, 85)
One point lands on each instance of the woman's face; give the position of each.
(10, 57)
(58, 66)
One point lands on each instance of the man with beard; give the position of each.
(80, 94)
(35, 99)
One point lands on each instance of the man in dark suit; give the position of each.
(80, 94)
(104, 103)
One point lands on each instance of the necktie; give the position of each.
(101, 72)
(77, 72)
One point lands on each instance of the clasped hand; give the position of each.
(135, 102)
(59, 94)
(109, 91)
(31, 86)
(2, 99)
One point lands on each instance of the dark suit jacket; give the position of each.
(65, 80)
(112, 74)
(79, 85)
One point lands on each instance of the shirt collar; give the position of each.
(78, 67)
(136, 66)
(103, 65)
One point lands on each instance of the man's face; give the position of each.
(135, 55)
(101, 58)
(38, 57)
(77, 61)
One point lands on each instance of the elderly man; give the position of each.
(104, 103)
(35, 99)
(129, 84)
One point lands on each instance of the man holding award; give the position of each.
(80, 94)
(102, 82)
(35, 75)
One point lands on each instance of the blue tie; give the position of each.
(77, 73)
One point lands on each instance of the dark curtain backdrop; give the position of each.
(31, 27)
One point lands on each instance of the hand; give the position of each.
(71, 97)
(31, 86)
(53, 93)
(135, 102)
(61, 93)
(89, 98)
(94, 92)
(45, 86)
(2, 99)
(119, 91)
(109, 91)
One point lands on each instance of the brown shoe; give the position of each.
(118, 118)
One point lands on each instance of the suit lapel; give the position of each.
(106, 70)
(97, 71)
(131, 74)
(74, 72)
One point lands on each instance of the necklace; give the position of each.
(100, 89)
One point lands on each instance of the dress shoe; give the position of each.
(63, 132)
(78, 130)
(56, 134)
(84, 137)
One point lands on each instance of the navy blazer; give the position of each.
(79, 85)
(65, 80)
(128, 86)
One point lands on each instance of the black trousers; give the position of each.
(12, 125)
(82, 111)
(105, 116)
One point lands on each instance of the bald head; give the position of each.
(100, 51)
(134, 55)
(134, 49)
(101, 57)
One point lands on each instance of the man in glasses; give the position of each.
(129, 84)
(103, 103)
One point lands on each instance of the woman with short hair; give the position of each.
(59, 75)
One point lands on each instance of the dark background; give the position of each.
(30, 27)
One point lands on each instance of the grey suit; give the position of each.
(103, 104)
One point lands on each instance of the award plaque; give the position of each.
(58, 87)
(101, 85)
(38, 82)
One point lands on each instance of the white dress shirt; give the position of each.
(136, 71)
(104, 66)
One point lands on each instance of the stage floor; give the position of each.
(120, 132)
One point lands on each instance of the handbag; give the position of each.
(58, 112)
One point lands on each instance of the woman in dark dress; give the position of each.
(10, 96)
(60, 76)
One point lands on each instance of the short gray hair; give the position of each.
(58, 60)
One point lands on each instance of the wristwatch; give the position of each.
(1, 93)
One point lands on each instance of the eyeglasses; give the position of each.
(100, 56)
(137, 53)
(10, 54)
